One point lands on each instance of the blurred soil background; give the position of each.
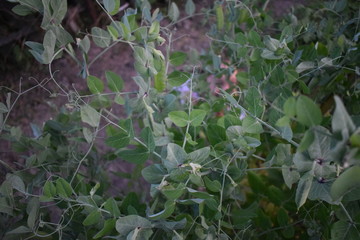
(19, 68)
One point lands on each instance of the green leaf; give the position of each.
(16, 182)
(250, 125)
(253, 102)
(3, 108)
(32, 209)
(342, 230)
(196, 117)
(84, 44)
(63, 188)
(49, 189)
(179, 118)
(177, 78)
(254, 39)
(160, 79)
(111, 206)
(90, 116)
(175, 156)
(305, 66)
(112, 6)
(59, 8)
(308, 113)
(147, 135)
(213, 186)
(168, 210)
(95, 85)
(174, 12)
(109, 225)
(124, 225)
(154, 173)
(256, 183)
(118, 141)
(92, 218)
(22, 10)
(100, 37)
(290, 175)
(115, 82)
(216, 134)
(303, 189)
(341, 120)
(199, 155)
(177, 58)
(172, 193)
(306, 141)
(119, 99)
(290, 107)
(219, 16)
(138, 155)
(190, 7)
(49, 46)
(348, 181)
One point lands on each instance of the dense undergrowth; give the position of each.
(258, 137)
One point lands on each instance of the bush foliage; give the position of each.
(272, 151)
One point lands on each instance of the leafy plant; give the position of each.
(266, 157)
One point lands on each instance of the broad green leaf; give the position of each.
(253, 102)
(160, 79)
(290, 107)
(308, 113)
(219, 16)
(303, 66)
(49, 189)
(213, 186)
(95, 85)
(148, 138)
(63, 38)
(115, 82)
(32, 209)
(342, 230)
(88, 135)
(216, 134)
(176, 156)
(109, 225)
(348, 181)
(306, 141)
(250, 125)
(119, 99)
(19, 230)
(256, 183)
(169, 209)
(138, 155)
(154, 28)
(199, 194)
(111, 206)
(303, 189)
(172, 193)
(16, 182)
(169, 226)
(100, 37)
(178, 78)
(3, 108)
(63, 188)
(154, 173)
(89, 115)
(177, 58)
(92, 218)
(320, 191)
(174, 12)
(179, 118)
(199, 155)
(112, 6)
(124, 225)
(22, 10)
(59, 8)
(49, 47)
(84, 44)
(196, 117)
(290, 175)
(254, 39)
(190, 7)
(118, 141)
(341, 120)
